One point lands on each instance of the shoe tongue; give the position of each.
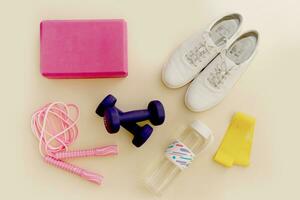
(228, 61)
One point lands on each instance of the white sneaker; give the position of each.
(215, 81)
(196, 52)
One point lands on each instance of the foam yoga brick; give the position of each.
(56, 130)
(83, 48)
(236, 145)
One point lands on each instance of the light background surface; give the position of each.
(269, 90)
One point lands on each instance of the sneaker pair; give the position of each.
(212, 61)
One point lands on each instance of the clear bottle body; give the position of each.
(166, 171)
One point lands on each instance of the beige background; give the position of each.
(269, 90)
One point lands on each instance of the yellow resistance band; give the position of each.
(236, 145)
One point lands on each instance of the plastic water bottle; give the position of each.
(179, 155)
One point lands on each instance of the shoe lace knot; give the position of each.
(203, 50)
(220, 72)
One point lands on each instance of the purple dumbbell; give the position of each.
(141, 134)
(113, 119)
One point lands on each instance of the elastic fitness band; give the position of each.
(235, 148)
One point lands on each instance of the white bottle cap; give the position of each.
(201, 129)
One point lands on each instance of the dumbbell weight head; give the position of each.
(111, 120)
(140, 134)
(157, 112)
(107, 102)
(143, 135)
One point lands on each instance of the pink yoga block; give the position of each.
(83, 48)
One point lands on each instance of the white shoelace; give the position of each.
(220, 73)
(201, 51)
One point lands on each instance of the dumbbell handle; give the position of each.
(131, 127)
(135, 116)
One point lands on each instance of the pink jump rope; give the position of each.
(56, 130)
